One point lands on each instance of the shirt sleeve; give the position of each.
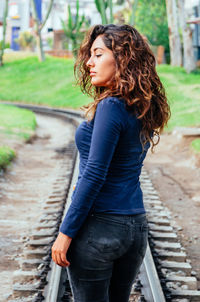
(109, 122)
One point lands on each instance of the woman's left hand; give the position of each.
(60, 248)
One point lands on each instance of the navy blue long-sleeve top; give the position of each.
(111, 158)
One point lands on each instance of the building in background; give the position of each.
(20, 20)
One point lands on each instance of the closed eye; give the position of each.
(98, 55)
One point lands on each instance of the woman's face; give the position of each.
(101, 63)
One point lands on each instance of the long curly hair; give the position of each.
(135, 79)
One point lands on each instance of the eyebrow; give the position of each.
(97, 48)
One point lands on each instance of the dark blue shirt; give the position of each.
(111, 157)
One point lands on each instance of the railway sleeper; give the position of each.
(160, 228)
(158, 220)
(170, 246)
(171, 237)
(21, 276)
(152, 202)
(176, 266)
(43, 233)
(49, 217)
(169, 255)
(50, 205)
(192, 295)
(27, 264)
(191, 282)
(36, 253)
(26, 290)
(40, 242)
(46, 225)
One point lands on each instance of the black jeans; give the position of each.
(106, 256)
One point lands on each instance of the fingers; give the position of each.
(60, 248)
(60, 259)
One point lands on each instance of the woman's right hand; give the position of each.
(60, 248)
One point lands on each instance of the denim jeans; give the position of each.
(106, 256)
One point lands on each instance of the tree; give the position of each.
(174, 37)
(188, 52)
(38, 28)
(4, 31)
(133, 6)
(72, 29)
(101, 6)
(151, 21)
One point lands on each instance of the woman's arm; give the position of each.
(110, 120)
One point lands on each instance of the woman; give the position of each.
(103, 237)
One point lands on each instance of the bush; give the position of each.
(6, 155)
(26, 40)
(7, 45)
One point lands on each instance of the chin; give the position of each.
(98, 84)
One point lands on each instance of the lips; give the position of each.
(92, 73)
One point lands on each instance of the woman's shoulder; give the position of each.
(113, 99)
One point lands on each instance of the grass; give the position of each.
(195, 145)
(51, 82)
(183, 91)
(24, 79)
(6, 155)
(15, 123)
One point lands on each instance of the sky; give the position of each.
(189, 3)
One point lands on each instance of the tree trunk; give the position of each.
(103, 12)
(38, 30)
(133, 7)
(174, 37)
(111, 10)
(4, 31)
(188, 52)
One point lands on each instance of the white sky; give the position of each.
(190, 3)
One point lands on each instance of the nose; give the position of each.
(90, 62)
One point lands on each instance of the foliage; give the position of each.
(195, 145)
(26, 40)
(6, 155)
(72, 28)
(151, 20)
(7, 45)
(50, 42)
(102, 6)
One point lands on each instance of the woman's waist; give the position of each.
(120, 218)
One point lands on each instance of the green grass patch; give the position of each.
(17, 122)
(195, 145)
(24, 79)
(50, 82)
(182, 90)
(6, 155)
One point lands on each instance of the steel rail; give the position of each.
(151, 288)
(55, 275)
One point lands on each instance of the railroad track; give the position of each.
(165, 275)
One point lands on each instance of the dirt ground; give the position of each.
(175, 174)
(23, 189)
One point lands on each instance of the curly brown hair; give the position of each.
(135, 79)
